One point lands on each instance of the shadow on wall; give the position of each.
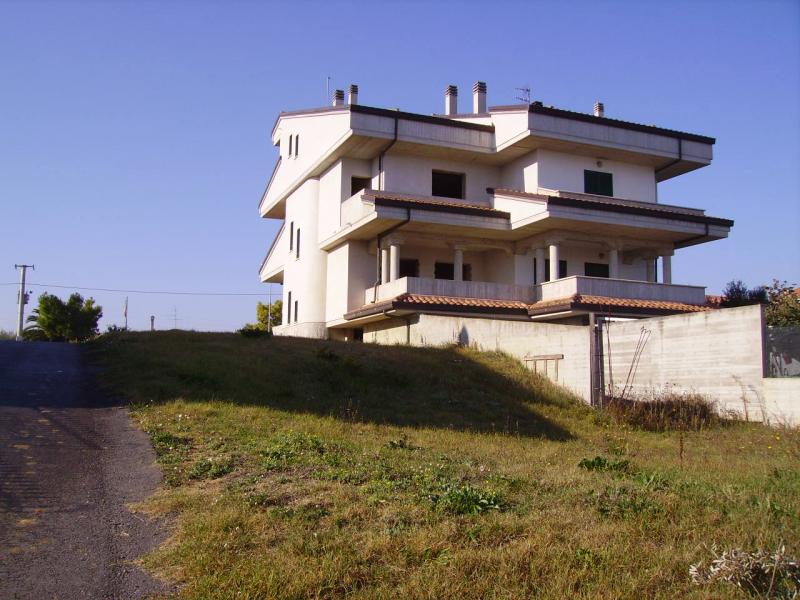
(448, 388)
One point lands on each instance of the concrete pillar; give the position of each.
(650, 265)
(613, 263)
(384, 265)
(666, 264)
(553, 262)
(394, 260)
(540, 265)
(458, 265)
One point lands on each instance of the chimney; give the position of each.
(599, 109)
(451, 100)
(338, 98)
(479, 97)
(352, 94)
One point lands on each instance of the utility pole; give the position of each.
(23, 298)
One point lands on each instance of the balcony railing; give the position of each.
(551, 290)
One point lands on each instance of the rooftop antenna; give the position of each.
(524, 94)
(327, 89)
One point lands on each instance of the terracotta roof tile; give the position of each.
(433, 202)
(634, 303)
(465, 302)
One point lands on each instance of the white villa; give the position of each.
(516, 213)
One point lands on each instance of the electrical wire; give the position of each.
(161, 292)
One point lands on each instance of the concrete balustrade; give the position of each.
(551, 290)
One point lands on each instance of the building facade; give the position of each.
(525, 213)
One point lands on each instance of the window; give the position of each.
(595, 270)
(297, 246)
(595, 182)
(291, 236)
(448, 185)
(443, 270)
(291, 141)
(295, 311)
(562, 269)
(296, 145)
(289, 308)
(359, 183)
(409, 267)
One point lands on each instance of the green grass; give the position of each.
(303, 469)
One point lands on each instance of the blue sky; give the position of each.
(134, 137)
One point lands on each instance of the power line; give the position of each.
(171, 293)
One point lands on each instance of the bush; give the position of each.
(57, 321)
(736, 293)
(465, 499)
(253, 331)
(664, 412)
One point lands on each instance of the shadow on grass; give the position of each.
(396, 385)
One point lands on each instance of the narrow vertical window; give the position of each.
(291, 236)
(297, 247)
(295, 311)
(289, 309)
(297, 145)
(291, 139)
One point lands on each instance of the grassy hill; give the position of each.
(305, 469)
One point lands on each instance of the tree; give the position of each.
(736, 293)
(57, 321)
(274, 312)
(783, 309)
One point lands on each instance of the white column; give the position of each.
(458, 265)
(666, 264)
(650, 265)
(394, 260)
(384, 265)
(540, 265)
(613, 263)
(553, 262)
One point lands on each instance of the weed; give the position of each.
(292, 448)
(598, 463)
(664, 412)
(211, 468)
(760, 573)
(621, 502)
(464, 499)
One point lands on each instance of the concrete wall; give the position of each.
(717, 353)
(520, 339)
(782, 401)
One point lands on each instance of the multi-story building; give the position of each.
(525, 212)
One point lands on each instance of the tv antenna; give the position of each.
(524, 94)
(174, 317)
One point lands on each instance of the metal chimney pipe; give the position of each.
(479, 97)
(352, 94)
(599, 109)
(451, 100)
(338, 98)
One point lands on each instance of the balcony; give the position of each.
(551, 290)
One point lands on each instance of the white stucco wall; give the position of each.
(412, 175)
(351, 270)
(304, 277)
(560, 171)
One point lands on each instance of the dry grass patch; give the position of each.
(302, 469)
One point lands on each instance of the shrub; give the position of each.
(57, 321)
(664, 412)
(253, 331)
(760, 573)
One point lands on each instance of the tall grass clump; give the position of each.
(664, 411)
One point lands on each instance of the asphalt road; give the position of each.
(70, 461)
